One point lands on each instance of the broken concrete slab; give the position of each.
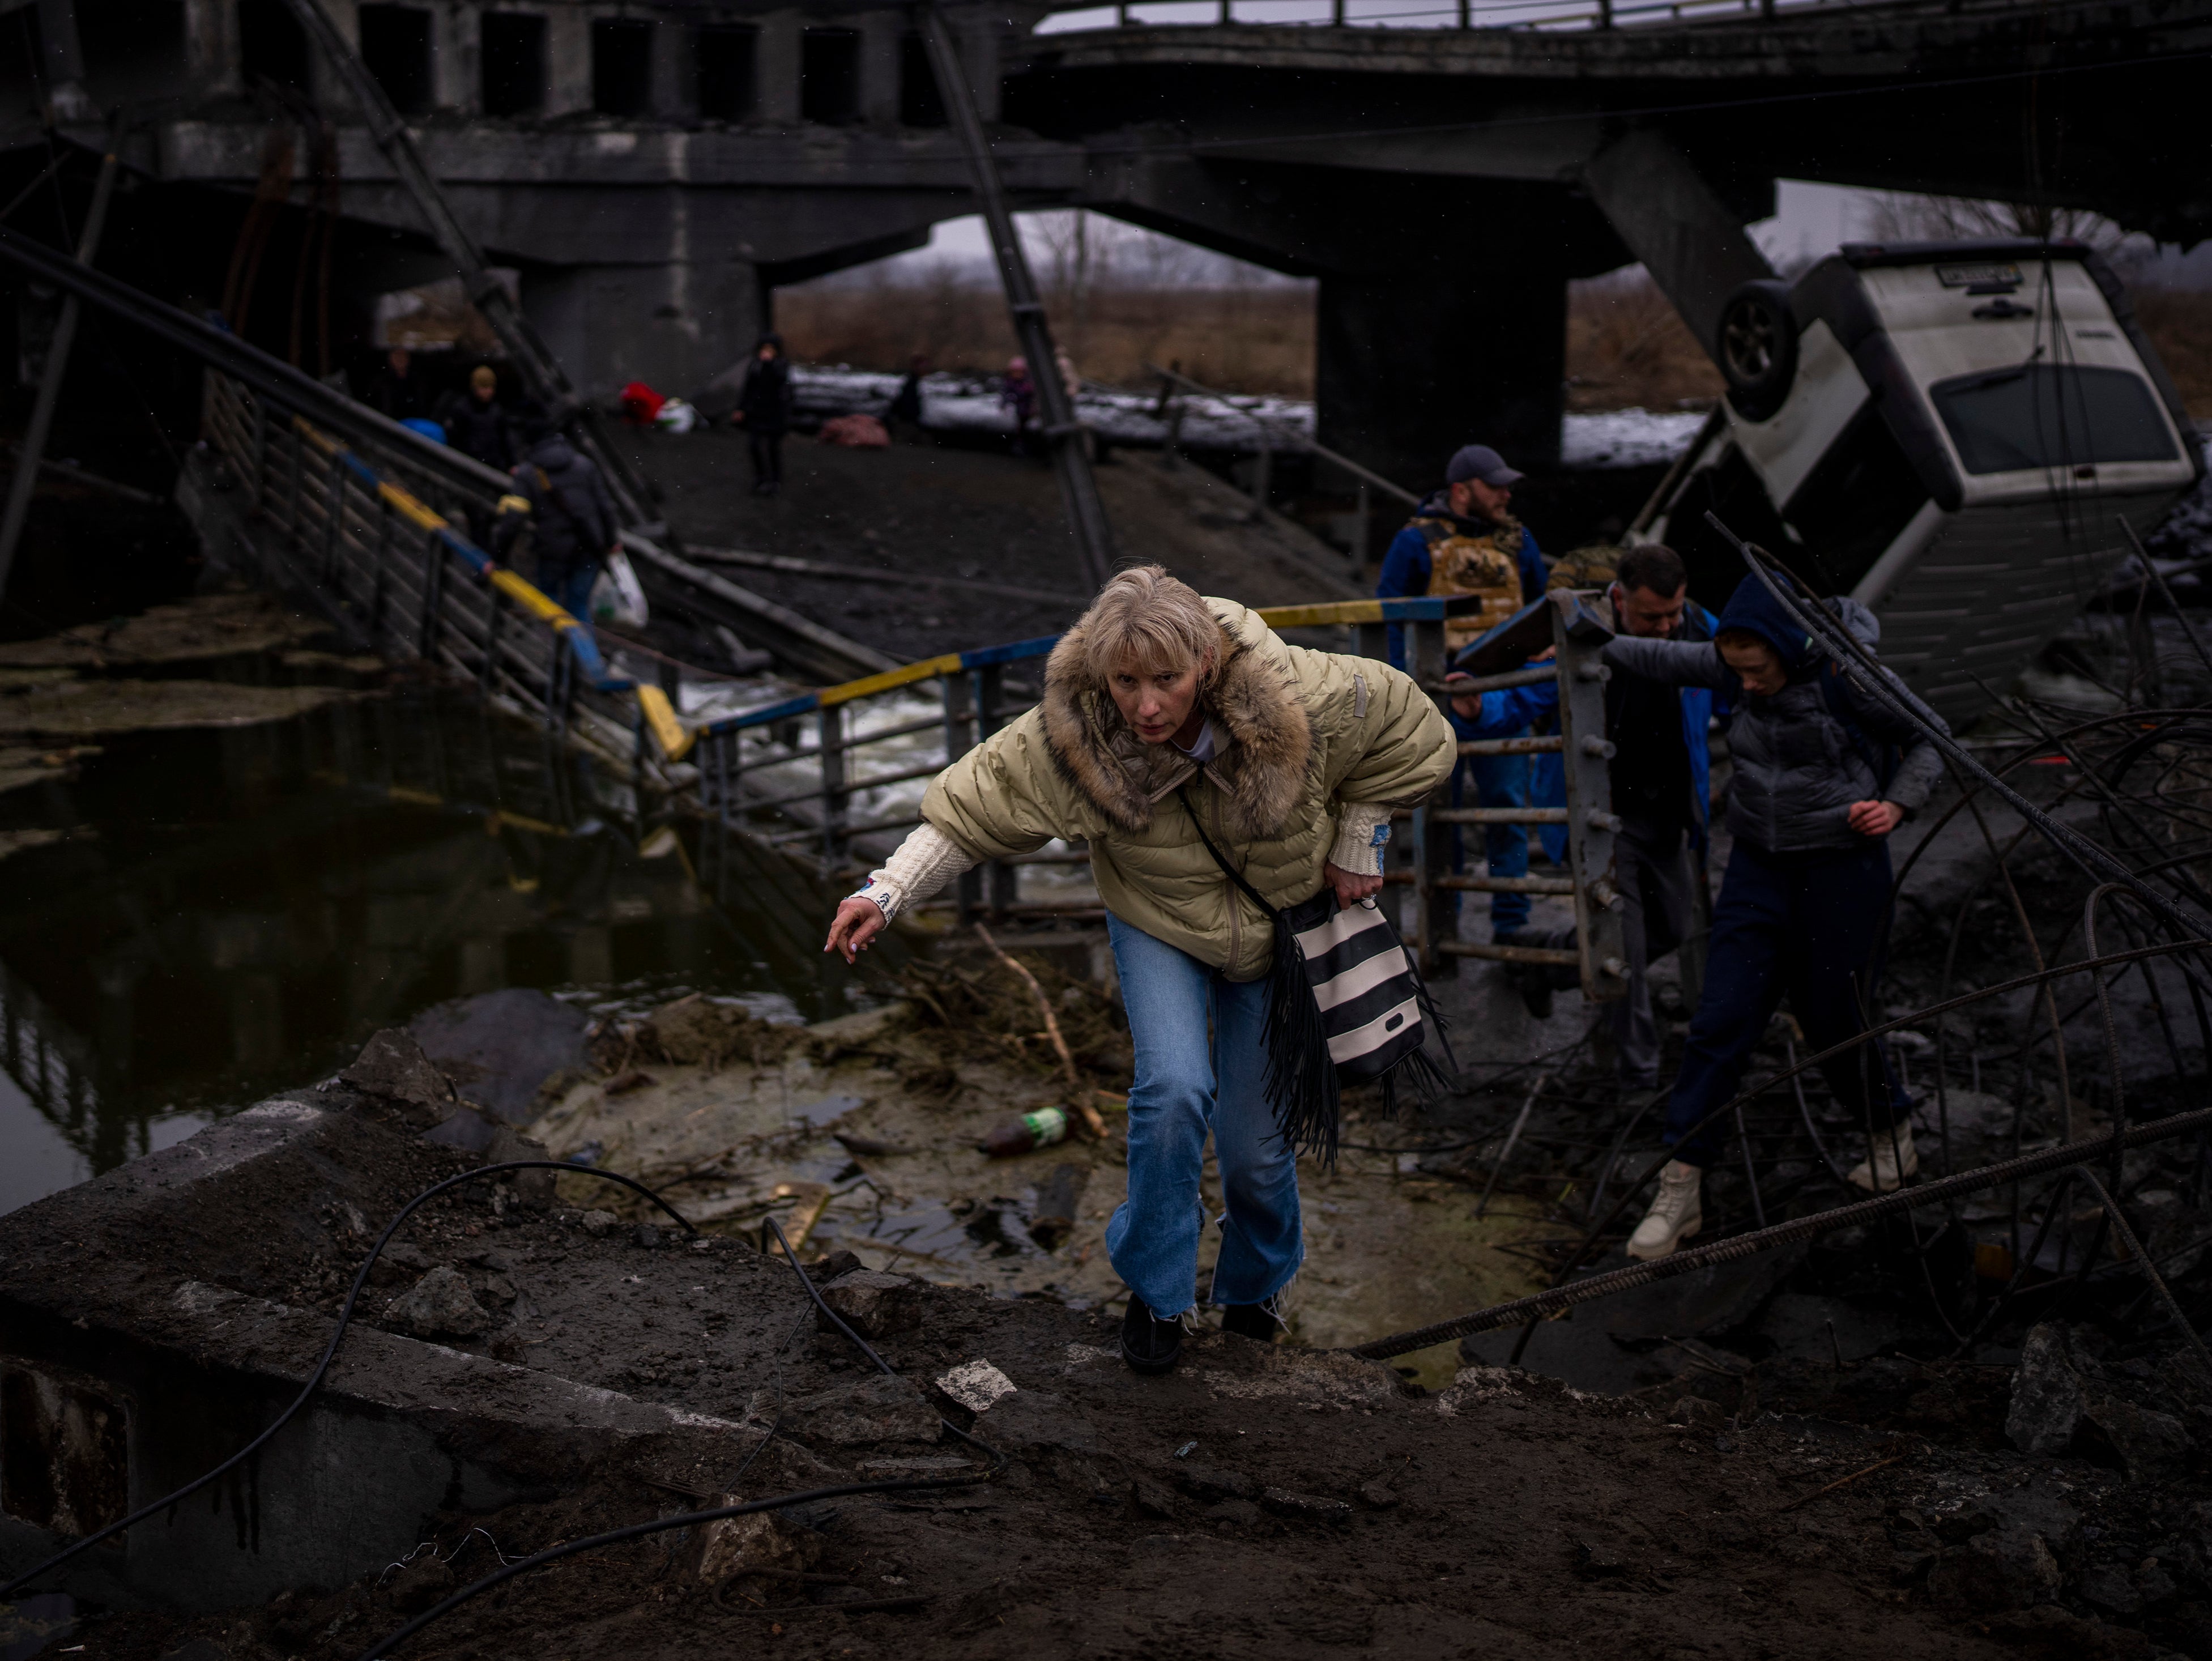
(2048, 1398)
(439, 1305)
(976, 1385)
(76, 711)
(871, 1303)
(757, 1549)
(2150, 1445)
(392, 1065)
(499, 1047)
(204, 630)
(863, 1415)
(2002, 1569)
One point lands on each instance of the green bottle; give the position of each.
(1041, 1129)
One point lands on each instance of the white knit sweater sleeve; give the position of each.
(1356, 849)
(918, 868)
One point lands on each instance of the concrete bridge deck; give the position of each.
(656, 172)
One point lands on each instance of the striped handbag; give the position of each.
(1346, 1006)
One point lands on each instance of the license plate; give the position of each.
(1967, 276)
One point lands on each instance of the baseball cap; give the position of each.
(1480, 461)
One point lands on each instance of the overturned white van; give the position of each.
(1948, 432)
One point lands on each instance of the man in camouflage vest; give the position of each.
(1465, 540)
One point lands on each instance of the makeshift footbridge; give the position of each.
(299, 488)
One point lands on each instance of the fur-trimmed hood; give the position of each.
(1264, 735)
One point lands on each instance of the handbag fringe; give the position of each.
(1301, 1074)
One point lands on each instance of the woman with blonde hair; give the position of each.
(1170, 722)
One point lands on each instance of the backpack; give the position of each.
(1882, 759)
(594, 532)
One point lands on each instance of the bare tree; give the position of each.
(1897, 216)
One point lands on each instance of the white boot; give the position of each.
(1895, 1158)
(1677, 1214)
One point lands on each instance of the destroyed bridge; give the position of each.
(656, 172)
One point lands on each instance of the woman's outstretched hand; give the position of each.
(857, 924)
(1350, 890)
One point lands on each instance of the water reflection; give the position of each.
(233, 911)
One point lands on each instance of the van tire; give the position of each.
(1756, 347)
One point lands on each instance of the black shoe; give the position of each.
(1533, 980)
(1149, 1345)
(1250, 1321)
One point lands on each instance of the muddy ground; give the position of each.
(1278, 1501)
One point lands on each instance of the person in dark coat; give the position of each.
(904, 416)
(1661, 776)
(559, 495)
(1019, 396)
(478, 425)
(763, 410)
(1823, 773)
(395, 390)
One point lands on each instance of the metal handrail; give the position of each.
(1299, 441)
(1467, 14)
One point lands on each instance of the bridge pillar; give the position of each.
(776, 68)
(211, 61)
(567, 60)
(674, 325)
(674, 83)
(881, 32)
(1466, 346)
(456, 50)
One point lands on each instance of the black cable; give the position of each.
(685, 1520)
(330, 1350)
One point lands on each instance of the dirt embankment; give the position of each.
(1282, 1500)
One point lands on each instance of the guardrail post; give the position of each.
(1263, 471)
(835, 795)
(382, 560)
(959, 689)
(260, 457)
(434, 569)
(1583, 755)
(299, 483)
(487, 671)
(333, 515)
(1436, 906)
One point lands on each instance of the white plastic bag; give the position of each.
(676, 416)
(617, 596)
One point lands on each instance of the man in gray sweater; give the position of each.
(1822, 774)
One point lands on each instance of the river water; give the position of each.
(190, 921)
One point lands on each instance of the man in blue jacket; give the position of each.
(1464, 539)
(1661, 777)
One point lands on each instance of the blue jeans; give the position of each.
(1502, 781)
(568, 585)
(1189, 1081)
(1804, 924)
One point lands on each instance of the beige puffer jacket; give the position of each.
(1301, 733)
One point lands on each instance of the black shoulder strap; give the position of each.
(1227, 869)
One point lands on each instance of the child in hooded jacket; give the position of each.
(1823, 773)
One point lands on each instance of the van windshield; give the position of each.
(2047, 415)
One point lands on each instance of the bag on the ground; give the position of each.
(1346, 1006)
